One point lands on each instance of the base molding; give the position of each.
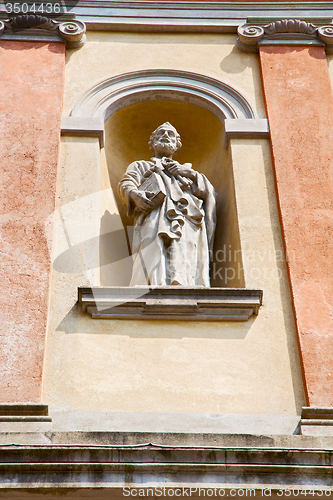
(24, 417)
(316, 421)
(54, 462)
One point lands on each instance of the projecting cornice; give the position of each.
(284, 32)
(43, 28)
(186, 16)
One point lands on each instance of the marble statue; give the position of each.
(174, 216)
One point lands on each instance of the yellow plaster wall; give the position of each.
(167, 366)
(111, 54)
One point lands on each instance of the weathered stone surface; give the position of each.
(198, 439)
(116, 460)
(169, 422)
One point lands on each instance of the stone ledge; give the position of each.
(24, 417)
(23, 410)
(310, 413)
(110, 466)
(170, 422)
(83, 127)
(171, 439)
(316, 421)
(170, 303)
(255, 128)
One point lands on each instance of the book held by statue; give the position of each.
(153, 188)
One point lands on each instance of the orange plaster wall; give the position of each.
(299, 103)
(31, 90)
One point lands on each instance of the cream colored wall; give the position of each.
(167, 366)
(110, 54)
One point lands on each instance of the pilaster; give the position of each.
(299, 103)
(31, 80)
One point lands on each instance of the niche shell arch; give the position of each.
(109, 96)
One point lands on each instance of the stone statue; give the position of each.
(174, 214)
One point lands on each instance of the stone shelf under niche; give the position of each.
(170, 303)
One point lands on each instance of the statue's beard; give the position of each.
(165, 148)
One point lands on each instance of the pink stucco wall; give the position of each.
(299, 103)
(31, 90)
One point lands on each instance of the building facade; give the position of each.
(108, 390)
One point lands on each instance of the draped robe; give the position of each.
(172, 244)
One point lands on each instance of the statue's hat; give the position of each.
(166, 125)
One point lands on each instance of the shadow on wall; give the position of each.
(76, 322)
(114, 254)
(237, 61)
(127, 134)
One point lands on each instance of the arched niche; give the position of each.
(108, 96)
(127, 108)
(126, 139)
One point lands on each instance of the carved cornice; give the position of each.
(189, 16)
(72, 31)
(284, 32)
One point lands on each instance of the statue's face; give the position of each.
(165, 141)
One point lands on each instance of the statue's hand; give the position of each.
(183, 170)
(142, 202)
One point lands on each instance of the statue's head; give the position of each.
(165, 140)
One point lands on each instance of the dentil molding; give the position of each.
(284, 32)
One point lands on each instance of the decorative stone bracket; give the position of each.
(170, 303)
(284, 31)
(32, 26)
